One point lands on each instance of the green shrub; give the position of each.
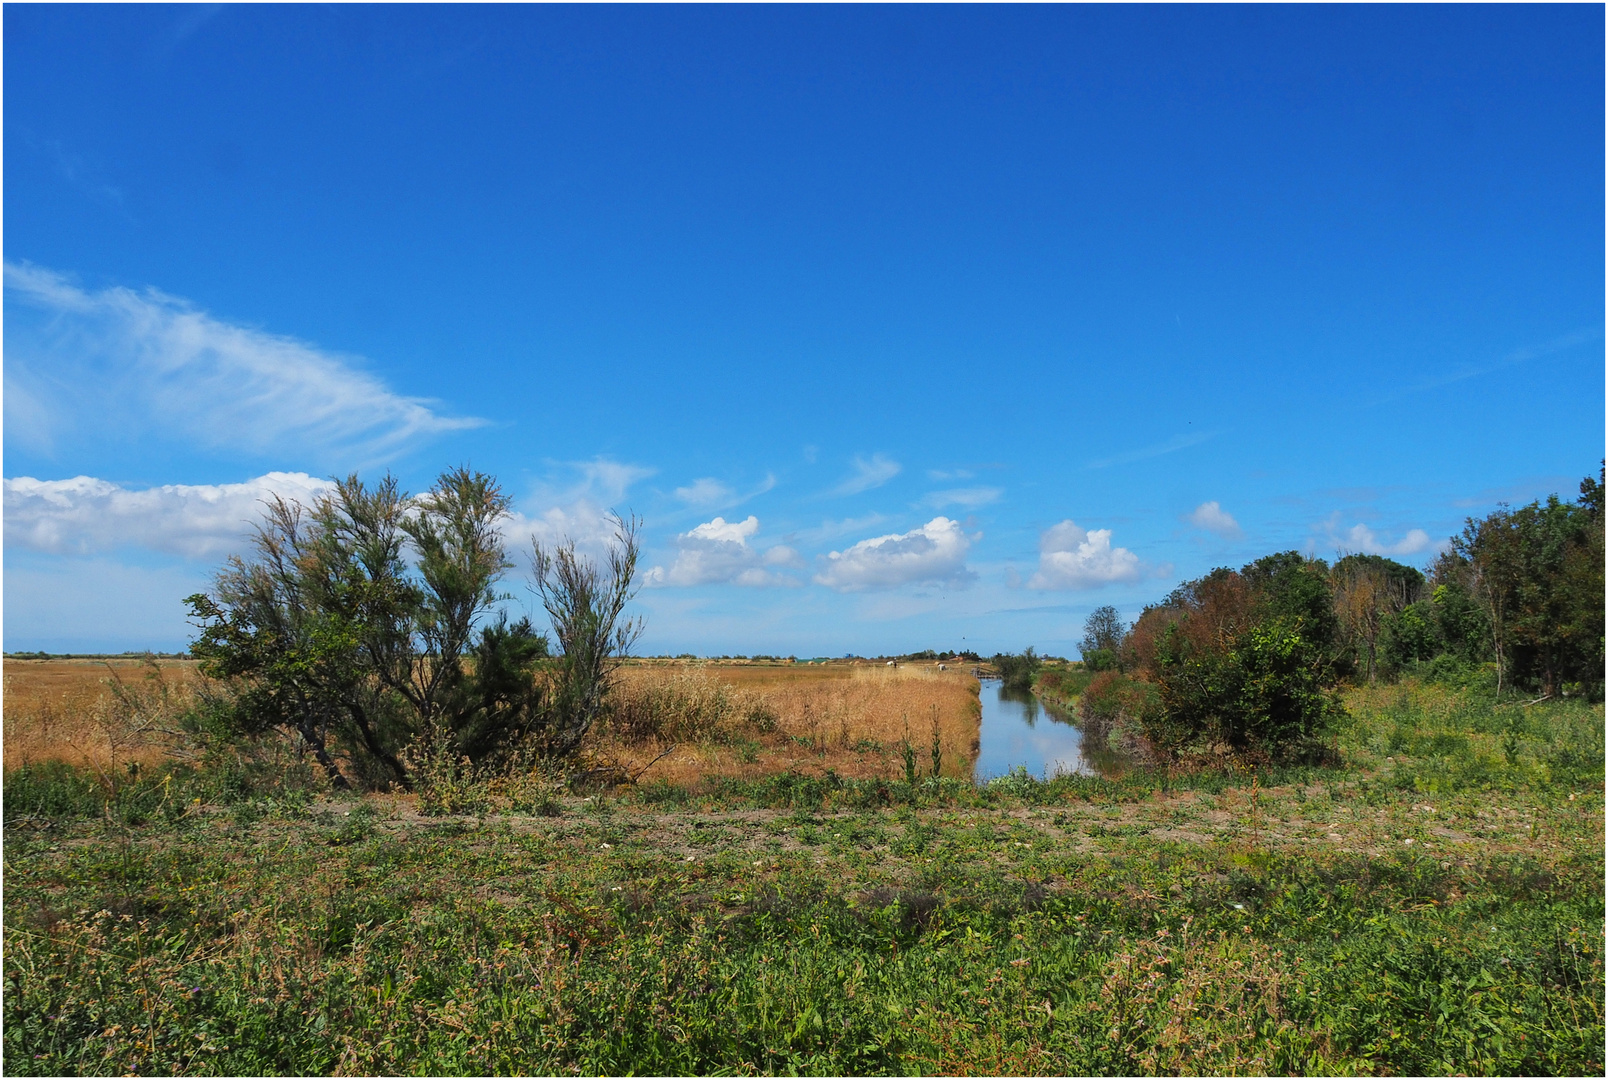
(1112, 703)
(1017, 670)
(1269, 690)
(1102, 660)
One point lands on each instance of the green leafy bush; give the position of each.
(1270, 689)
(1017, 670)
(1114, 705)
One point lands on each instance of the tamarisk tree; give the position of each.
(370, 622)
(586, 604)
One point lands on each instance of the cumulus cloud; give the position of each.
(86, 516)
(1071, 557)
(1360, 538)
(718, 552)
(1214, 519)
(83, 516)
(149, 363)
(970, 498)
(869, 473)
(719, 532)
(934, 552)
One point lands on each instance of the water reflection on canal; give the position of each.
(1018, 729)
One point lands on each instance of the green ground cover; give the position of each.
(1434, 905)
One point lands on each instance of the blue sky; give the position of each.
(900, 327)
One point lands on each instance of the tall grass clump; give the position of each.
(684, 705)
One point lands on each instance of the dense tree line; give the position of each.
(368, 627)
(1251, 658)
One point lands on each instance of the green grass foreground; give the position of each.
(1435, 906)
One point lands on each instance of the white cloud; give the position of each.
(717, 553)
(28, 420)
(869, 473)
(709, 493)
(718, 531)
(970, 498)
(1214, 519)
(705, 492)
(84, 515)
(584, 521)
(1071, 557)
(782, 555)
(934, 552)
(1360, 538)
(575, 508)
(124, 362)
(608, 479)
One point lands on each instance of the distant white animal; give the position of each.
(943, 667)
(893, 663)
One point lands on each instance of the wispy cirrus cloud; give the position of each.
(87, 516)
(1524, 354)
(830, 530)
(149, 365)
(575, 502)
(707, 492)
(609, 479)
(970, 498)
(869, 472)
(1177, 442)
(599, 481)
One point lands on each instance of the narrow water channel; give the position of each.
(1018, 729)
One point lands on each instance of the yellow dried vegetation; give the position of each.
(97, 714)
(722, 719)
(748, 720)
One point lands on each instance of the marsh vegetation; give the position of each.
(768, 867)
(1431, 905)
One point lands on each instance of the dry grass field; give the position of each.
(747, 720)
(723, 719)
(97, 714)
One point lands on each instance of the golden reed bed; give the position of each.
(852, 718)
(732, 719)
(93, 713)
